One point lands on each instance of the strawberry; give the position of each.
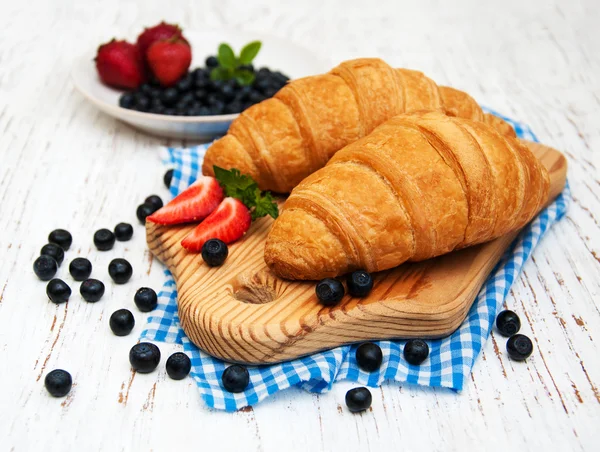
(169, 59)
(192, 205)
(228, 223)
(159, 32)
(119, 64)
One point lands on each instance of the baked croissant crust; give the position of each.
(282, 140)
(420, 185)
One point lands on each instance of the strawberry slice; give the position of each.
(191, 205)
(229, 223)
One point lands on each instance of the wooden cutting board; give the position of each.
(242, 312)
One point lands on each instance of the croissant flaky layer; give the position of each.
(282, 140)
(420, 185)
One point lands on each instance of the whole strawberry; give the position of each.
(169, 59)
(157, 33)
(119, 64)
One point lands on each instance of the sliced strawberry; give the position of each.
(191, 205)
(229, 223)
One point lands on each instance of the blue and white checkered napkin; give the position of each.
(450, 359)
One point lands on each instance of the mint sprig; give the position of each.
(243, 187)
(232, 66)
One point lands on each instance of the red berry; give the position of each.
(157, 33)
(169, 60)
(119, 64)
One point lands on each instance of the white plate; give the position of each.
(276, 53)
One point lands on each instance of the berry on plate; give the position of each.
(519, 347)
(157, 33)
(123, 232)
(120, 270)
(58, 291)
(358, 399)
(214, 252)
(229, 222)
(145, 299)
(369, 356)
(178, 366)
(329, 291)
(235, 378)
(359, 283)
(119, 64)
(508, 323)
(61, 237)
(58, 382)
(416, 351)
(45, 267)
(104, 239)
(193, 204)
(121, 322)
(54, 251)
(144, 357)
(80, 268)
(169, 59)
(91, 290)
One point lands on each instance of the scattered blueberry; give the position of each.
(508, 323)
(178, 366)
(58, 291)
(154, 201)
(358, 399)
(167, 178)
(359, 283)
(144, 357)
(121, 322)
(329, 291)
(91, 290)
(58, 382)
(62, 238)
(145, 299)
(214, 252)
(54, 251)
(104, 239)
(143, 211)
(235, 378)
(45, 267)
(416, 351)
(120, 270)
(369, 356)
(519, 347)
(80, 268)
(123, 232)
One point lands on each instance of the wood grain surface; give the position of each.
(243, 312)
(65, 164)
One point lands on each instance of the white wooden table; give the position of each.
(64, 164)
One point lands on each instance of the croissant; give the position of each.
(420, 185)
(282, 140)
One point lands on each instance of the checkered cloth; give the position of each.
(450, 359)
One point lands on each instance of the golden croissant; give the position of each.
(282, 140)
(420, 185)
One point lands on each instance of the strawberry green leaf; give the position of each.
(226, 56)
(249, 52)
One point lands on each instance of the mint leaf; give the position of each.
(264, 205)
(244, 77)
(249, 52)
(221, 73)
(226, 57)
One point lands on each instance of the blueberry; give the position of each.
(416, 351)
(228, 91)
(279, 77)
(155, 94)
(121, 322)
(204, 111)
(212, 99)
(62, 238)
(58, 382)
(104, 239)
(154, 201)
(200, 94)
(120, 270)
(126, 100)
(358, 399)
(217, 108)
(178, 366)
(369, 356)
(80, 268)
(262, 85)
(235, 378)
(194, 111)
(270, 92)
(167, 178)
(186, 99)
(201, 82)
(215, 86)
(54, 251)
(169, 111)
(233, 107)
(169, 97)
(143, 211)
(214, 252)
(144, 357)
(256, 97)
(45, 267)
(185, 83)
(157, 110)
(329, 291)
(519, 347)
(264, 70)
(145, 299)
(199, 73)
(142, 102)
(359, 283)
(247, 67)
(211, 62)
(156, 102)
(508, 323)
(58, 291)
(145, 88)
(91, 290)
(123, 232)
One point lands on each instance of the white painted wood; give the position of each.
(64, 164)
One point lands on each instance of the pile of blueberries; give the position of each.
(195, 94)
